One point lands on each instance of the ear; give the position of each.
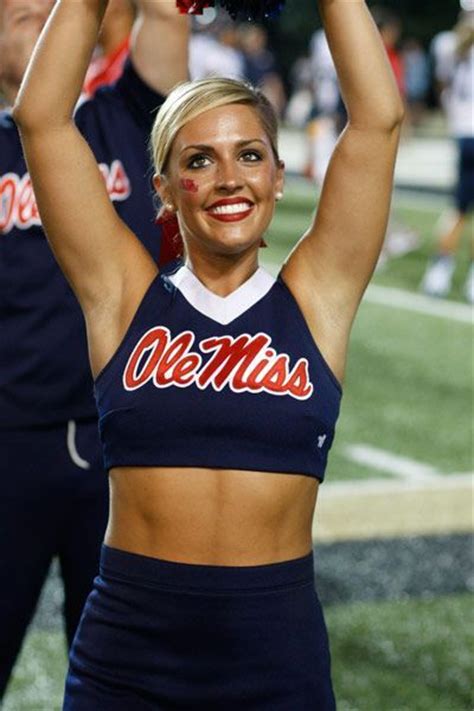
(162, 188)
(280, 177)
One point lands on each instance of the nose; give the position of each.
(228, 177)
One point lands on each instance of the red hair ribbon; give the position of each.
(171, 243)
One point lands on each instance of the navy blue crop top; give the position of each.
(201, 380)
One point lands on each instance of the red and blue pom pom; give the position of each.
(238, 9)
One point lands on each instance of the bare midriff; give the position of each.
(211, 516)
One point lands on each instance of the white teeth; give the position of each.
(230, 209)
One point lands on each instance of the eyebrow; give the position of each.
(204, 147)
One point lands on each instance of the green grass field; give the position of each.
(408, 391)
(403, 656)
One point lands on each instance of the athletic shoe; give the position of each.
(400, 240)
(469, 285)
(438, 276)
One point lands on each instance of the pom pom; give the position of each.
(237, 9)
(252, 9)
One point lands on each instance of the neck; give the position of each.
(222, 275)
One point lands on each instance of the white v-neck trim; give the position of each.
(222, 309)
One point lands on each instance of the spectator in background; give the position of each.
(443, 54)
(113, 46)
(417, 79)
(323, 126)
(260, 66)
(458, 103)
(390, 28)
(400, 238)
(298, 108)
(214, 51)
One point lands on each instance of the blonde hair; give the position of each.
(190, 99)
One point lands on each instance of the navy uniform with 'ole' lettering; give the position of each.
(54, 501)
(230, 383)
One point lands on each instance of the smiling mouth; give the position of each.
(232, 212)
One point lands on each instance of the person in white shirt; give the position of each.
(214, 52)
(322, 128)
(458, 101)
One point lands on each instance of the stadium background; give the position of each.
(422, 19)
(392, 530)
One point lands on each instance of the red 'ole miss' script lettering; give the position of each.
(18, 206)
(243, 364)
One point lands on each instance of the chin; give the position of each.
(231, 248)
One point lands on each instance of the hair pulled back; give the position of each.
(190, 99)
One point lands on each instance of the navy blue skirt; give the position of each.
(163, 636)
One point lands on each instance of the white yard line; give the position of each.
(385, 461)
(298, 186)
(455, 482)
(409, 301)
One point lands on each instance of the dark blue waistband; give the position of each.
(163, 573)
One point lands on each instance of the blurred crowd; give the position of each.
(424, 77)
(220, 46)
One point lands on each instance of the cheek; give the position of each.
(263, 183)
(188, 185)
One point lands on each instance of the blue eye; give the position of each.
(198, 161)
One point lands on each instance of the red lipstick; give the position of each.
(230, 209)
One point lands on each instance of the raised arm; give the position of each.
(160, 44)
(330, 267)
(106, 265)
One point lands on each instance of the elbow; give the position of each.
(391, 117)
(33, 120)
(24, 116)
(397, 116)
(382, 119)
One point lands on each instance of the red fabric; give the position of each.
(396, 62)
(171, 243)
(106, 69)
(193, 7)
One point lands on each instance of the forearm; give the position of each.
(55, 75)
(365, 76)
(159, 45)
